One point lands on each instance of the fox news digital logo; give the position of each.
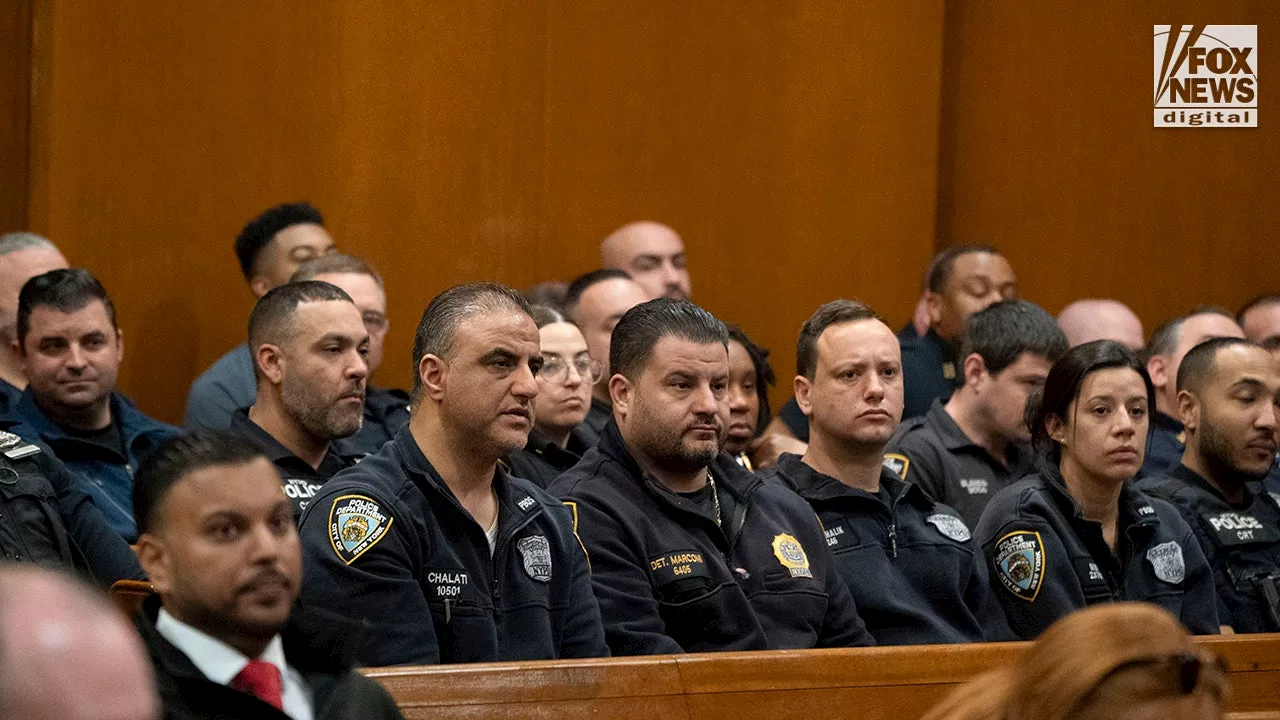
(1206, 75)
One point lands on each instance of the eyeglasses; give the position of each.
(555, 370)
(1186, 671)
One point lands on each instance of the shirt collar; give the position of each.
(216, 660)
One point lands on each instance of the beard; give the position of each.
(318, 415)
(1217, 452)
(667, 447)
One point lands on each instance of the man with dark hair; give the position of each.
(218, 542)
(960, 281)
(910, 563)
(1228, 394)
(269, 249)
(689, 551)
(67, 654)
(23, 256)
(1260, 320)
(652, 254)
(309, 346)
(595, 302)
(71, 348)
(446, 556)
(1168, 345)
(386, 410)
(975, 445)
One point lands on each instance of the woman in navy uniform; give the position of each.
(1078, 533)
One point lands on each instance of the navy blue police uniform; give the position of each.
(910, 563)
(45, 518)
(387, 542)
(301, 482)
(1166, 441)
(1047, 560)
(674, 575)
(542, 460)
(386, 410)
(933, 452)
(1241, 542)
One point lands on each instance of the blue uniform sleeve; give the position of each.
(923, 467)
(1030, 575)
(371, 580)
(1200, 601)
(628, 606)
(209, 406)
(108, 556)
(583, 632)
(983, 604)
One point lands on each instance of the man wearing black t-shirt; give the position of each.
(309, 345)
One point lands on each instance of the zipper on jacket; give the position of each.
(448, 615)
(893, 537)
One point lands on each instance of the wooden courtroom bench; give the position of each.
(890, 683)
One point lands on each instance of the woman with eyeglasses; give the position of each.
(1121, 661)
(564, 396)
(1078, 532)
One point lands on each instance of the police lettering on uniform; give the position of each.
(446, 556)
(309, 347)
(386, 410)
(1228, 393)
(910, 563)
(1079, 533)
(1168, 345)
(47, 520)
(964, 452)
(690, 552)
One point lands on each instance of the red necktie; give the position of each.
(261, 679)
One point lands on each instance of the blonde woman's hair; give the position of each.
(1093, 664)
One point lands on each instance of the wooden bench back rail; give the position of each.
(891, 683)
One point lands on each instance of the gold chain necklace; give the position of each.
(715, 498)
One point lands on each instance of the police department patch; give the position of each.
(535, 551)
(356, 524)
(1166, 560)
(951, 526)
(1019, 560)
(791, 554)
(897, 464)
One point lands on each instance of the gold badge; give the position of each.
(949, 371)
(791, 554)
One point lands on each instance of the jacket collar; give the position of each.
(131, 422)
(337, 457)
(728, 473)
(1196, 480)
(813, 485)
(1137, 517)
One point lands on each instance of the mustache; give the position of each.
(266, 576)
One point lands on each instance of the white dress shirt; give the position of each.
(220, 662)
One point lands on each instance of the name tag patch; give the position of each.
(950, 526)
(447, 583)
(356, 524)
(1019, 561)
(1166, 561)
(15, 448)
(300, 490)
(835, 535)
(975, 486)
(678, 565)
(1240, 529)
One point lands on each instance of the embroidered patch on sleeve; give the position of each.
(791, 554)
(1019, 560)
(897, 464)
(1166, 560)
(951, 526)
(356, 524)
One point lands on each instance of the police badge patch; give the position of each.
(1166, 560)
(791, 554)
(951, 526)
(1019, 560)
(356, 524)
(535, 551)
(897, 464)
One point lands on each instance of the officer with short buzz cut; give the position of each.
(446, 556)
(689, 551)
(46, 520)
(1228, 391)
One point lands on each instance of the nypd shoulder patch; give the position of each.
(356, 524)
(1019, 563)
(1166, 561)
(951, 526)
(897, 464)
(791, 554)
(535, 552)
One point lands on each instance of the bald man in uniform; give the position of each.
(653, 254)
(1101, 319)
(66, 654)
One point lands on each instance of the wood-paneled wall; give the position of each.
(805, 149)
(1048, 152)
(794, 145)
